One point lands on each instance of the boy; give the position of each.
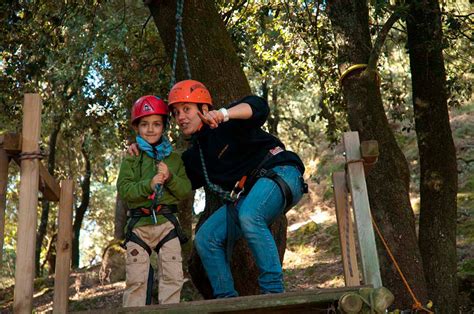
(151, 184)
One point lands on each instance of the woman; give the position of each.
(249, 168)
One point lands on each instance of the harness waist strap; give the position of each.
(161, 209)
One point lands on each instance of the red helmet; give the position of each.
(189, 91)
(147, 106)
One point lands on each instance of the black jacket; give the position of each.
(235, 148)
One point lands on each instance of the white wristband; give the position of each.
(225, 113)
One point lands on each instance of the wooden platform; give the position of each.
(313, 301)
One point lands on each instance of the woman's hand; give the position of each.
(132, 150)
(212, 118)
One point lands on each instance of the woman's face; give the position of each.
(186, 115)
(150, 128)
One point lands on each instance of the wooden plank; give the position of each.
(11, 143)
(29, 177)
(360, 204)
(290, 302)
(48, 185)
(46, 182)
(63, 248)
(3, 197)
(346, 230)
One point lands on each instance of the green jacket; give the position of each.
(133, 183)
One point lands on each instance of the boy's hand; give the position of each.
(157, 179)
(163, 169)
(132, 150)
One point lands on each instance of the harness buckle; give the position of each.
(236, 191)
(262, 172)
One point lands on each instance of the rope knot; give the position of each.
(32, 155)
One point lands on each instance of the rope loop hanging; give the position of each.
(179, 41)
(223, 194)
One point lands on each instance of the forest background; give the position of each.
(89, 60)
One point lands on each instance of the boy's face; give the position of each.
(187, 118)
(150, 128)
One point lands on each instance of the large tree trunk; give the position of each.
(211, 54)
(45, 203)
(388, 181)
(185, 216)
(213, 61)
(4, 161)
(120, 218)
(438, 171)
(81, 210)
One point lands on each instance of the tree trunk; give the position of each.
(438, 168)
(388, 181)
(185, 216)
(275, 113)
(45, 203)
(81, 210)
(4, 161)
(120, 218)
(213, 61)
(273, 117)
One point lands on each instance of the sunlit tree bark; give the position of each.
(438, 167)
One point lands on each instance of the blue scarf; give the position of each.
(157, 152)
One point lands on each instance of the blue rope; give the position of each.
(179, 40)
(158, 193)
(225, 195)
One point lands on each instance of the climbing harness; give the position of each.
(242, 187)
(155, 209)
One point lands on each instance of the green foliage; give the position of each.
(289, 60)
(457, 31)
(467, 267)
(89, 61)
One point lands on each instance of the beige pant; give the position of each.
(170, 270)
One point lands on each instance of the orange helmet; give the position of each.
(148, 105)
(189, 91)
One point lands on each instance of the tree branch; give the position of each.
(379, 42)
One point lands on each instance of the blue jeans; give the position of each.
(256, 211)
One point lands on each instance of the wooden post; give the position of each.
(3, 197)
(360, 204)
(346, 230)
(63, 248)
(29, 176)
